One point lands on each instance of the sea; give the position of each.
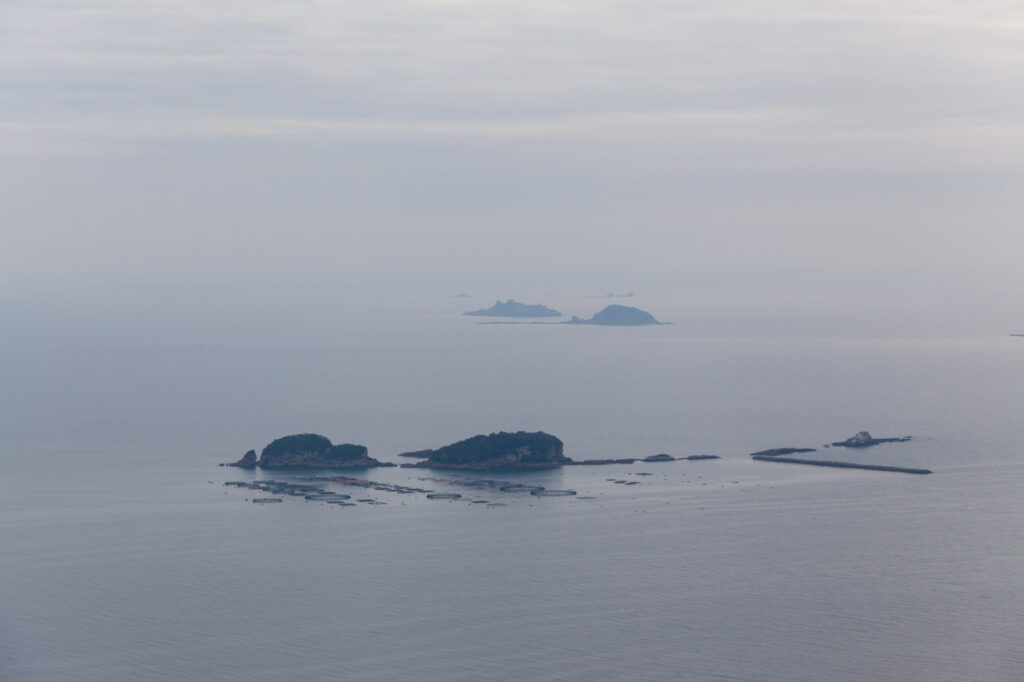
(124, 556)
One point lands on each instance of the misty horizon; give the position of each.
(816, 161)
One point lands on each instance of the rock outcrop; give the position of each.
(248, 461)
(520, 450)
(864, 440)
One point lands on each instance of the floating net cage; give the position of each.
(553, 493)
(521, 488)
(444, 496)
(327, 497)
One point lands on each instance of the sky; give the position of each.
(855, 154)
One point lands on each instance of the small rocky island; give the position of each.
(512, 308)
(519, 450)
(659, 458)
(618, 316)
(863, 439)
(309, 450)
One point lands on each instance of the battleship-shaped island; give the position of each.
(508, 451)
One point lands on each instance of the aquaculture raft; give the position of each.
(521, 488)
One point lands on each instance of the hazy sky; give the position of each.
(865, 148)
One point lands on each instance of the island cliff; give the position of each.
(520, 450)
(511, 308)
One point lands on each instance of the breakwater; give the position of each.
(839, 465)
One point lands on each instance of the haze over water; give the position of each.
(125, 556)
(228, 222)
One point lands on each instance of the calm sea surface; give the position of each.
(123, 555)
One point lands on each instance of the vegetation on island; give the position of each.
(504, 450)
(309, 450)
(302, 442)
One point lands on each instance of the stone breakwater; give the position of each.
(776, 452)
(862, 440)
(839, 465)
(634, 460)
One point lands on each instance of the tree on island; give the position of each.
(309, 450)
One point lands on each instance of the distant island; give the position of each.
(503, 450)
(617, 315)
(309, 450)
(612, 294)
(512, 308)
